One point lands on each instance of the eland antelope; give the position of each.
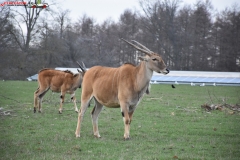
(57, 81)
(121, 87)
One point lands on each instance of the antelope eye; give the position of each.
(154, 59)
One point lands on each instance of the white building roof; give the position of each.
(201, 74)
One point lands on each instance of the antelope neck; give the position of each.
(143, 75)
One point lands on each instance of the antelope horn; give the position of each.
(140, 49)
(84, 66)
(81, 67)
(144, 47)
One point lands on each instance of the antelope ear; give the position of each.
(143, 58)
(79, 71)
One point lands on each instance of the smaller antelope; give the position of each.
(58, 81)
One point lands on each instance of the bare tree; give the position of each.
(8, 47)
(129, 29)
(85, 26)
(63, 20)
(185, 34)
(160, 24)
(227, 35)
(27, 16)
(6, 27)
(202, 39)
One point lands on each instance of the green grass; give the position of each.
(168, 124)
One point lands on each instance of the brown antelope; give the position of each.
(57, 81)
(118, 87)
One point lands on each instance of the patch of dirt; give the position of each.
(231, 108)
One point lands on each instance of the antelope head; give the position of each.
(154, 61)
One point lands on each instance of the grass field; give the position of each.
(168, 124)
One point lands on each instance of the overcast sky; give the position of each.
(101, 10)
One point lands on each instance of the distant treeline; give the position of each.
(189, 38)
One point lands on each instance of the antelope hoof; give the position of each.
(34, 110)
(39, 111)
(60, 112)
(77, 135)
(127, 138)
(97, 136)
(76, 111)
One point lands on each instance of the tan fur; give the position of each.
(118, 87)
(57, 81)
